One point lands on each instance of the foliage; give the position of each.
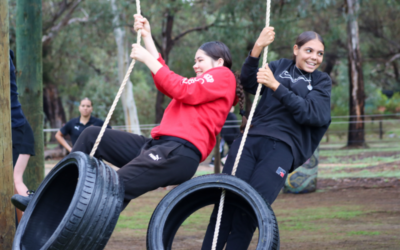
(81, 60)
(384, 104)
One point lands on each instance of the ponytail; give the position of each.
(241, 96)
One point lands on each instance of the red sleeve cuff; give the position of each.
(160, 59)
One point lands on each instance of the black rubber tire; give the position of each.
(202, 191)
(75, 207)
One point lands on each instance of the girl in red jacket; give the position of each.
(187, 132)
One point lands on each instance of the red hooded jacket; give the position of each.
(199, 105)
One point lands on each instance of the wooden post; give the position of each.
(7, 212)
(29, 80)
(217, 156)
(380, 130)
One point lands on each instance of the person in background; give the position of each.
(229, 132)
(76, 125)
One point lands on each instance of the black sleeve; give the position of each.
(248, 75)
(315, 108)
(65, 130)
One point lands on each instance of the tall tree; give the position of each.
(357, 96)
(58, 16)
(7, 214)
(29, 80)
(127, 98)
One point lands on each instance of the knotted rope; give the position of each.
(121, 88)
(235, 166)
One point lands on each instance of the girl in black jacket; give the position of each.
(288, 124)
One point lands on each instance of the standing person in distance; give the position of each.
(76, 125)
(288, 124)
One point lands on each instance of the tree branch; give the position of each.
(191, 30)
(55, 29)
(64, 5)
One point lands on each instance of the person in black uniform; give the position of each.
(229, 132)
(76, 125)
(22, 137)
(289, 122)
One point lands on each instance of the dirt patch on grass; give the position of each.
(357, 183)
(350, 213)
(361, 156)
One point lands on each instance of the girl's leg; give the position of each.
(268, 178)
(116, 147)
(19, 169)
(247, 159)
(160, 164)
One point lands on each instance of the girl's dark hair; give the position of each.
(86, 98)
(216, 50)
(305, 37)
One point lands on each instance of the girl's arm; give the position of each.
(143, 24)
(248, 75)
(312, 110)
(142, 55)
(60, 138)
(266, 37)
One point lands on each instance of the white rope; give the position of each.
(235, 166)
(121, 88)
(217, 226)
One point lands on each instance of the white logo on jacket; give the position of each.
(77, 128)
(286, 74)
(207, 77)
(154, 157)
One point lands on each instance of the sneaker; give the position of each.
(21, 202)
(211, 164)
(223, 160)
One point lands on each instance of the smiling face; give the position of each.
(202, 62)
(85, 108)
(309, 56)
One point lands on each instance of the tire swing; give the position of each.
(205, 190)
(77, 205)
(202, 191)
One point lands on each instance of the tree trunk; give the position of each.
(127, 98)
(29, 80)
(7, 214)
(357, 95)
(167, 44)
(53, 108)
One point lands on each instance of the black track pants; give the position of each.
(264, 164)
(145, 164)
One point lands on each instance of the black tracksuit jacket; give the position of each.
(292, 113)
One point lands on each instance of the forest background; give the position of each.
(84, 42)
